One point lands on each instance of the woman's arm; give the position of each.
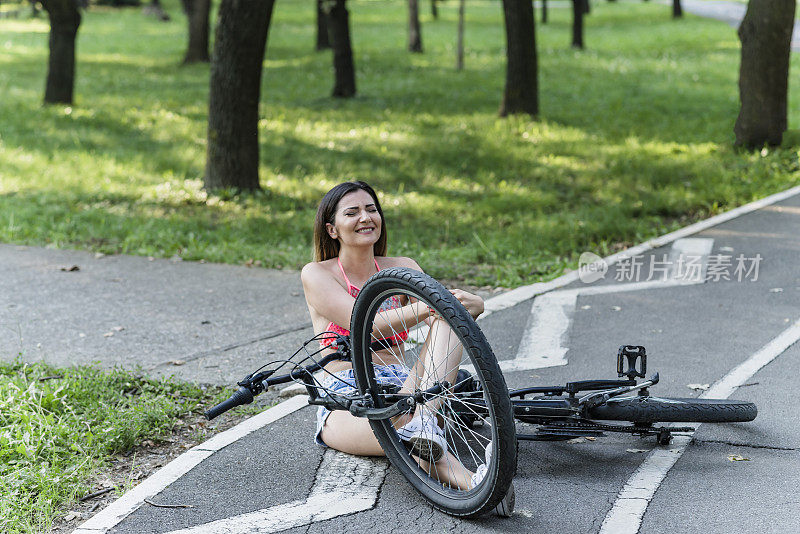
(329, 299)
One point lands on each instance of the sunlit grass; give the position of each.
(634, 140)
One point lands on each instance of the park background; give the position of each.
(634, 138)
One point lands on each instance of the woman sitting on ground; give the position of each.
(349, 247)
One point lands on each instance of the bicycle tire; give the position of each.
(646, 409)
(466, 445)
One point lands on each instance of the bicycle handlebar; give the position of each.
(242, 396)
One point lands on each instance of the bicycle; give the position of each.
(466, 392)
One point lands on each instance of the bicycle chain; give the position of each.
(610, 428)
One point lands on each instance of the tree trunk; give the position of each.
(677, 9)
(64, 22)
(197, 13)
(339, 27)
(766, 36)
(414, 31)
(544, 11)
(234, 93)
(521, 94)
(434, 9)
(577, 23)
(460, 39)
(323, 41)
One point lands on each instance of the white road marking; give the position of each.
(344, 484)
(625, 516)
(154, 484)
(543, 342)
(523, 293)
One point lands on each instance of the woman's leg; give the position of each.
(347, 433)
(449, 471)
(438, 361)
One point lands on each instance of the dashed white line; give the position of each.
(625, 516)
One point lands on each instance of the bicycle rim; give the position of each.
(434, 352)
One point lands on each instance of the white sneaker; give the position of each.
(505, 508)
(425, 437)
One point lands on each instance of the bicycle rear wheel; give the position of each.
(646, 409)
(433, 352)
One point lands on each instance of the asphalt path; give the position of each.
(733, 476)
(214, 323)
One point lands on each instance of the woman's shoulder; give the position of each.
(317, 268)
(397, 261)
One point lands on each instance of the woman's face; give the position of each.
(357, 220)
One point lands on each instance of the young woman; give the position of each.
(350, 246)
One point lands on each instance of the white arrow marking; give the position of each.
(543, 343)
(344, 484)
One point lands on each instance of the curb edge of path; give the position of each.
(118, 510)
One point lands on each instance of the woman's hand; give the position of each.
(473, 303)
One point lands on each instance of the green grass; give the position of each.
(56, 433)
(634, 140)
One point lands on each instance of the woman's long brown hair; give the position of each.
(325, 247)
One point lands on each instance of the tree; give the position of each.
(339, 28)
(677, 9)
(521, 93)
(544, 11)
(64, 22)
(414, 31)
(434, 9)
(234, 93)
(579, 9)
(197, 12)
(766, 36)
(460, 38)
(323, 41)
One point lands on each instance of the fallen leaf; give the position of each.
(118, 328)
(591, 438)
(249, 263)
(698, 387)
(737, 458)
(615, 308)
(72, 516)
(587, 307)
(177, 362)
(71, 269)
(637, 450)
(98, 255)
(575, 440)
(776, 290)
(108, 334)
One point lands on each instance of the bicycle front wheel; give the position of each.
(474, 467)
(645, 409)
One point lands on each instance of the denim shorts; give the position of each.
(344, 383)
